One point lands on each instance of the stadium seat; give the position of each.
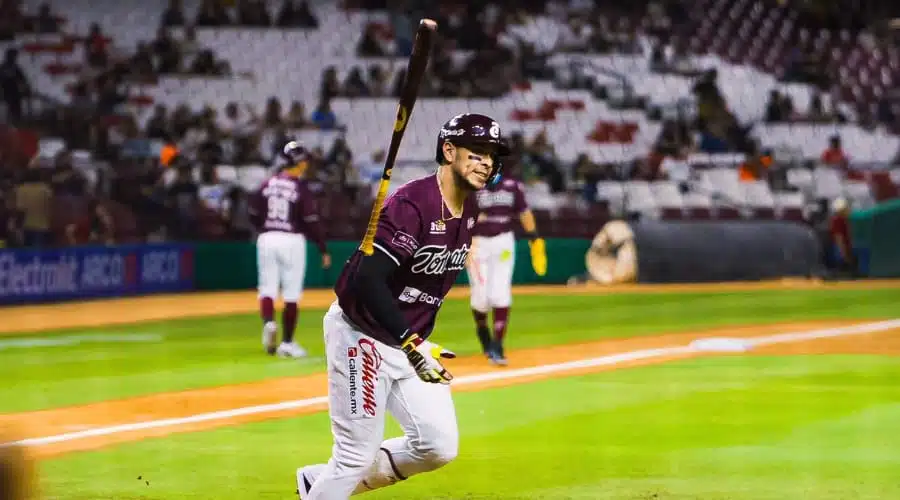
(613, 193)
(669, 199)
(251, 177)
(639, 199)
(826, 183)
(698, 205)
(227, 174)
(789, 205)
(169, 176)
(802, 179)
(895, 176)
(49, 147)
(759, 199)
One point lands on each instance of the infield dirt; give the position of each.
(193, 402)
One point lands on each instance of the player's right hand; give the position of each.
(326, 261)
(424, 356)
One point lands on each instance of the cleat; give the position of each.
(290, 350)
(269, 333)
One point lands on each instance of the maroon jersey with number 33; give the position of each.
(285, 203)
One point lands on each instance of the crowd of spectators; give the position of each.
(483, 51)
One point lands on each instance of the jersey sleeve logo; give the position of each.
(405, 241)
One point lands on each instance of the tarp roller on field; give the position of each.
(702, 251)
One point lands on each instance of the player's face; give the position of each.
(474, 164)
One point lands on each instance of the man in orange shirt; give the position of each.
(755, 168)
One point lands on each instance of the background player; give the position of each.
(490, 267)
(285, 212)
(377, 355)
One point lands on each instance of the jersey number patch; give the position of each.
(279, 209)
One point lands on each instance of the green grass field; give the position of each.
(736, 427)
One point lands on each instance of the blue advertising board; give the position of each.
(29, 276)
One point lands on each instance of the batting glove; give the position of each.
(424, 356)
(538, 256)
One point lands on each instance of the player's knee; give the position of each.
(440, 451)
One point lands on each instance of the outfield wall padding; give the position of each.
(232, 266)
(704, 251)
(876, 239)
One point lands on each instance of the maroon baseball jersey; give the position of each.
(285, 203)
(499, 207)
(430, 253)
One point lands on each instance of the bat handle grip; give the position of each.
(368, 243)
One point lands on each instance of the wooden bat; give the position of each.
(415, 70)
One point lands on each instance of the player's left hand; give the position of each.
(326, 261)
(425, 356)
(538, 256)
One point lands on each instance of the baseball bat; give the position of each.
(415, 70)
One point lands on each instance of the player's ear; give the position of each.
(449, 150)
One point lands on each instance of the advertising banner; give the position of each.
(28, 276)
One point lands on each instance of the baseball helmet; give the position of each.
(473, 129)
(294, 158)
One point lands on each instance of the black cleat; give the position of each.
(484, 336)
(495, 354)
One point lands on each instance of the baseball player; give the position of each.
(379, 359)
(490, 267)
(286, 215)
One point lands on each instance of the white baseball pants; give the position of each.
(367, 378)
(490, 271)
(281, 265)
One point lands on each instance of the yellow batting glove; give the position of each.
(424, 356)
(538, 256)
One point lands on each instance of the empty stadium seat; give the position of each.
(667, 194)
(724, 184)
(802, 179)
(541, 201)
(826, 183)
(251, 177)
(758, 198)
(698, 205)
(789, 205)
(169, 176)
(227, 174)
(639, 199)
(613, 193)
(49, 147)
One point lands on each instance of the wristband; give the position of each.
(409, 341)
(532, 236)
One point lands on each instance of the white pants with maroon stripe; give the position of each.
(281, 265)
(490, 271)
(366, 379)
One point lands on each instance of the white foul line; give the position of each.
(69, 340)
(608, 360)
